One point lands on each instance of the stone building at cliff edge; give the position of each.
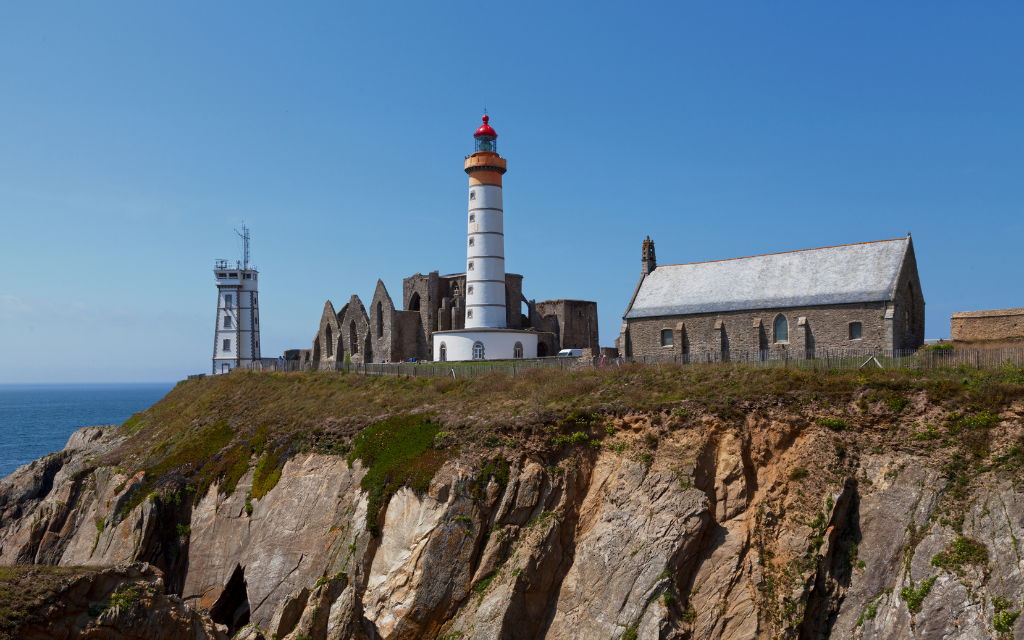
(864, 296)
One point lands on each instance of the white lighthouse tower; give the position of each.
(236, 337)
(485, 336)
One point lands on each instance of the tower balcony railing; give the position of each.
(227, 264)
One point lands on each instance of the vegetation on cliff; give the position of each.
(215, 429)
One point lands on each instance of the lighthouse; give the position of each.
(485, 335)
(485, 242)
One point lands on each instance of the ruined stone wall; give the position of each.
(997, 324)
(355, 331)
(572, 318)
(824, 327)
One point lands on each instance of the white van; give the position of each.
(571, 352)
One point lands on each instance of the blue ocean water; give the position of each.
(38, 419)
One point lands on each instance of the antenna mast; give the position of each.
(244, 234)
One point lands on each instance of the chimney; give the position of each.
(648, 261)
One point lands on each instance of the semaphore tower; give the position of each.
(485, 336)
(236, 336)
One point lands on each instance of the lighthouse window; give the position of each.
(227, 301)
(469, 290)
(248, 276)
(469, 313)
(232, 275)
(472, 217)
(478, 351)
(472, 195)
(222, 275)
(227, 345)
(470, 267)
(227, 322)
(471, 242)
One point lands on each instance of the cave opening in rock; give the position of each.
(232, 607)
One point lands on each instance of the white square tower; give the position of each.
(236, 340)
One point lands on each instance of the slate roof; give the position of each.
(864, 272)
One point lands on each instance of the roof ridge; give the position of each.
(778, 253)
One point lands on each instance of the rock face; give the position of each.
(122, 603)
(770, 528)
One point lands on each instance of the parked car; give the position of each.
(571, 352)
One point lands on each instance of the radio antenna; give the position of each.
(244, 235)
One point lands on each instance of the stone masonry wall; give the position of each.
(998, 324)
(572, 325)
(825, 327)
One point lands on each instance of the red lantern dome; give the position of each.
(485, 130)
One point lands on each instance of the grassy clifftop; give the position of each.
(215, 429)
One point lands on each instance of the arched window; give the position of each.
(380, 320)
(781, 329)
(330, 342)
(353, 344)
(443, 352)
(414, 302)
(517, 351)
(478, 351)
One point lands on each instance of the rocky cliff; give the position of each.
(638, 503)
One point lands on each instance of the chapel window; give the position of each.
(855, 330)
(443, 352)
(478, 351)
(781, 329)
(666, 337)
(517, 351)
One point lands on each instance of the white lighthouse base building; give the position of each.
(484, 343)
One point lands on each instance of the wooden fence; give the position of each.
(819, 359)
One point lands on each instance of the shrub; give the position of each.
(576, 438)
(835, 424)
(961, 551)
(125, 596)
(798, 474)
(915, 597)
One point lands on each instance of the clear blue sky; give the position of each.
(137, 136)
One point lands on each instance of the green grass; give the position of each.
(398, 452)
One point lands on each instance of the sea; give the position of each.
(37, 419)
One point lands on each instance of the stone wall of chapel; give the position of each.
(908, 307)
(827, 327)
